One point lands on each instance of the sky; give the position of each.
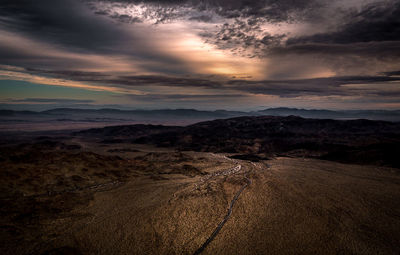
(203, 54)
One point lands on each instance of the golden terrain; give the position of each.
(161, 201)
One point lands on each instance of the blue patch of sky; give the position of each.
(11, 89)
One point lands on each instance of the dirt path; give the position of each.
(290, 205)
(226, 218)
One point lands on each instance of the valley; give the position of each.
(73, 195)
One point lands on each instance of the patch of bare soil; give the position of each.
(171, 202)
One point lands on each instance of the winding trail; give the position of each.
(226, 218)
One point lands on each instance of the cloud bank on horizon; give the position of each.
(236, 54)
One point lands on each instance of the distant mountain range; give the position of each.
(195, 115)
(393, 115)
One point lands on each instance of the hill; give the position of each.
(350, 141)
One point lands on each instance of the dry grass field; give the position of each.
(160, 201)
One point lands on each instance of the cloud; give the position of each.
(199, 51)
(269, 9)
(268, 29)
(332, 86)
(239, 23)
(376, 22)
(369, 49)
(392, 73)
(51, 100)
(127, 80)
(367, 40)
(63, 22)
(242, 38)
(186, 97)
(388, 85)
(202, 18)
(67, 33)
(126, 18)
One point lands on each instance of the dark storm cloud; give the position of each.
(126, 18)
(317, 86)
(202, 18)
(373, 32)
(70, 26)
(130, 81)
(241, 36)
(185, 97)
(69, 74)
(62, 22)
(339, 86)
(273, 10)
(64, 37)
(374, 23)
(142, 80)
(51, 100)
(387, 50)
(283, 88)
(392, 73)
